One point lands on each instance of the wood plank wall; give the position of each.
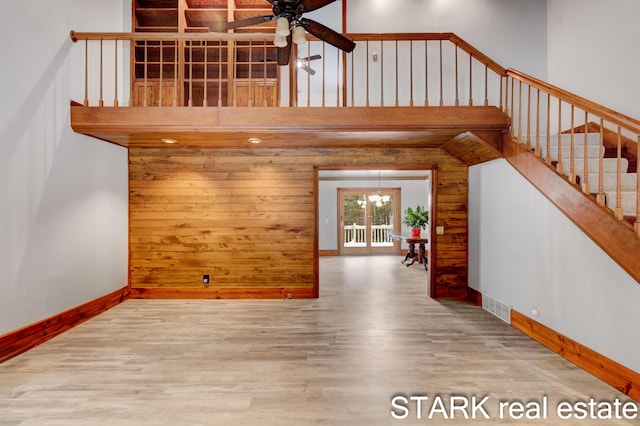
(246, 218)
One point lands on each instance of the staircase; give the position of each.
(594, 150)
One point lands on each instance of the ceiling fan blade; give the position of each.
(310, 5)
(310, 58)
(306, 68)
(244, 22)
(327, 34)
(285, 52)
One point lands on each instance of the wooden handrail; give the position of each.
(453, 38)
(609, 115)
(156, 36)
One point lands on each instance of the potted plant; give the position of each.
(416, 219)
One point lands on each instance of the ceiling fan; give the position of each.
(290, 26)
(303, 63)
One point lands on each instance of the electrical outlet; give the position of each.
(205, 279)
(536, 310)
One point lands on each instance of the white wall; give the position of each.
(593, 51)
(525, 252)
(63, 196)
(511, 32)
(413, 192)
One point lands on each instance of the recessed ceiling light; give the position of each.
(168, 140)
(255, 140)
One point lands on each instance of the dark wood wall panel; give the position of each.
(247, 217)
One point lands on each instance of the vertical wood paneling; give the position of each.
(247, 217)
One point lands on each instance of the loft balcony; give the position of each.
(426, 90)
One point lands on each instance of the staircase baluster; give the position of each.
(528, 141)
(548, 150)
(559, 166)
(585, 179)
(600, 196)
(520, 111)
(220, 73)
(537, 149)
(619, 213)
(470, 80)
(572, 157)
(486, 87)
(457, 100)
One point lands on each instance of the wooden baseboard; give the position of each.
(223, 293)
(23, 339)
(474, 296)
(329, 253)
(620, 377)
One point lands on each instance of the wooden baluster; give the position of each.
(441, 89)
(504, 89)
(397, 76)
(146, 72)
(537, 148)
(250, 76)
(233, 58)
(426, 74)
(190, 101)
(636, 225)
(513, 112)
(309, 75)
(470, 80)
(101, 100)
(264, 73)
(585, 179)
(410, 72)
(600, 197)
(528, 141)
(353, 82)
(572, 157)
(559, 166)
(220, 73)
(367, 74)
(520, 111)
(324, 61)
(175, 73)
(205, 96)
(381, 72)
(548, 151)
(115, 89)
(160, 76)
(619, 213)
(86, 73)
(457, 100)
(486, 87)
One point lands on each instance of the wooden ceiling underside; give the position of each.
(210, 127)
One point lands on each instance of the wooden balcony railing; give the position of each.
(590, 144)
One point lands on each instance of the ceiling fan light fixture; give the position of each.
(282, 27)
(280, 41)
(299, 35)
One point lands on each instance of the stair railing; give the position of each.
(541, 111)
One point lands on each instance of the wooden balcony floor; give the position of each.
(229, 127)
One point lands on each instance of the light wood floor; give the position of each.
(336, 360)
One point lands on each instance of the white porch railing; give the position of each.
(355, 235)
